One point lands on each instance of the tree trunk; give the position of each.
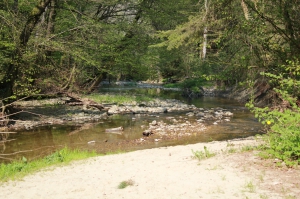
(16, 6)
(206, 5)
(51, 20)
(11, 74)
(95, 83)
(289, 28)
(33, 19)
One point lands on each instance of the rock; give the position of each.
(227, 113)
(174, 120)
(200, 114)
(208, 116)
(113, 110)
(154, 123)
(190, 114)
(147, 133)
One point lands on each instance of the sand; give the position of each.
(167, 172)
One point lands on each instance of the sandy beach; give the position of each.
(167, 172)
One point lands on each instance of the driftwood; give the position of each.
(4, 136)
(7, 132)
(4, 141)
(117, 130)
(76, 100)
(3, 121)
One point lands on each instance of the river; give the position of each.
(44, 140)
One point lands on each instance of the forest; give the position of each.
(52, 46)
(56, 45)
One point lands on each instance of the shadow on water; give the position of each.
(45, 140)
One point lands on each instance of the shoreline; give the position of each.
(166, 172)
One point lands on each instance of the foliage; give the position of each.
(23, 167)
(282, 121)
(77, 43)
(194, 82)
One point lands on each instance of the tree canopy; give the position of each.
(54, 45)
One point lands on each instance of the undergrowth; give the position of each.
(282, 122)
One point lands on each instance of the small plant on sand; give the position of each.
(250, 187)
(125, 184)
(230, 144)
(263, 196)
(261, 178)
(200, 155)
(223, 177)
(232, 150)
(247, 148)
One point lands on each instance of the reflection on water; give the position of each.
(45, 140)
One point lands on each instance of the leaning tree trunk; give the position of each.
(33, 19)
(95, 83)
(12, 71)
(51, 20)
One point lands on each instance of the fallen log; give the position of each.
(76, 100)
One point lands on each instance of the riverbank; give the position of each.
(167, 172)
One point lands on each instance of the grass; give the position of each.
(263, 196)
(214, 168)
(247, 148)
(223, 177)
(118, 99)
(173, 85)
(200, 155)
(232, 150)
(249, 186)
(125, 184)
(19, 169)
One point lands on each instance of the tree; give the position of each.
(239, 36)
(13, 68)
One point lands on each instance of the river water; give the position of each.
(44, 140)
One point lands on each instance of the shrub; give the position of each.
(282, 122)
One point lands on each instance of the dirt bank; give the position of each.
(168, 172)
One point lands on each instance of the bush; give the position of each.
(282, 122)
(192, 83)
